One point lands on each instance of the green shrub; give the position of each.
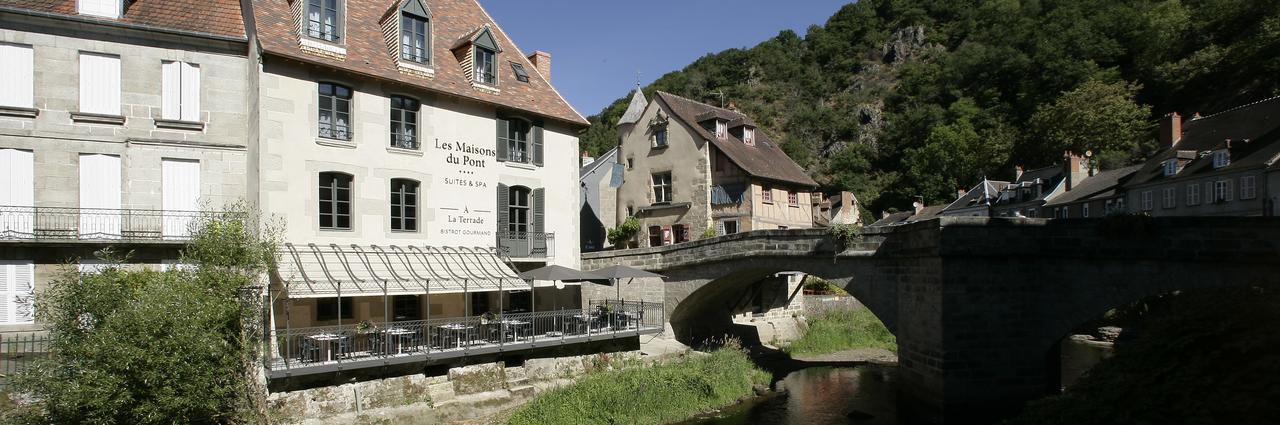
(622, 235)
(139, 346)
(814, 283)
(709, 233)
(659, 394)
(843, 330)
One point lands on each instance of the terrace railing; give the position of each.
(527, 244)
(318, 349)
(96, 224)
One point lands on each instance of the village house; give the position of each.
(599, 179)
(976, 202)
(1096, 196)
(119, 126)
(690, 167)
(1216, 165)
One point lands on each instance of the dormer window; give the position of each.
(722, 129)
(415, 32)
(101, 8)
(1221, 158)
(749, 136)
(1170, 167)
(324, 19)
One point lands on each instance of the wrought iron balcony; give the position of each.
(527, 244)
(96, 224)
(301, 351)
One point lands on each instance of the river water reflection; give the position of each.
(864, 395)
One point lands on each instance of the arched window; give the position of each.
(415, 32)
(335, 201)
(404, 122)
(404, 205)
(518, 209)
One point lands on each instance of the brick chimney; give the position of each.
(542, 61)
(1076, 169)
(1170, 129)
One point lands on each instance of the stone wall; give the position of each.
(467, 392)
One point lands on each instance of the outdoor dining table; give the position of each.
(327, 342)
(515, 328)
(453, 331)
(397, 337)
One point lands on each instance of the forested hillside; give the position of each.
(897, 98)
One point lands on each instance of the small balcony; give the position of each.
(305, 351)
(61, 224)
(527, 245)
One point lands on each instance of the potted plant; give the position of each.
(365, 327)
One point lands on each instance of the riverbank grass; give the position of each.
(658, 394)
(843, 330)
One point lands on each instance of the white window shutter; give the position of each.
(190, 92)
(17, 189)
(181, 184)
(100, 191)
(171, 90)
(103, 8)
(22, 297)
(6, 293)
(16, 65)
(99, 84)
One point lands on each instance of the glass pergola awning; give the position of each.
(315, 271)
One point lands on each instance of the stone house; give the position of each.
(689, 167)
(118, 126)
(1095, 196)
(1217, 165)
(1029, 191)
(599, 179)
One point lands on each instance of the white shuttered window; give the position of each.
(181, 95)
(17, 292)
(99, 83)
(99, 196)
(17, 68)
(103, 8)
(181, 195)
(17, 192)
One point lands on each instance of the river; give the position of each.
(864, 395)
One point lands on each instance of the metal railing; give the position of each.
(351, 347)
(527, 244)
(95, 224)
(17, 351)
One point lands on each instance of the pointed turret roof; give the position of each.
(636, 109)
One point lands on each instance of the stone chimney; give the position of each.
(542, 61)
(1017, 172)
(586, 159)
(918, 205)
(1076, 169)
(1170, 130)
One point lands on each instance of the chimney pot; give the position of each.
(542, 61)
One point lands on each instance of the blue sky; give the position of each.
(597, 46)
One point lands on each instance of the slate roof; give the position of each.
(988, 189)
(1259, 122)
(609, 157)
(892, 219)
(451, 20)
(905, 217)
(219, 18)
(1102, 184)
(635, 109)
(764, 160)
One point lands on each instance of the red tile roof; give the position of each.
(214, 17)
(367, 53)
(765, 159)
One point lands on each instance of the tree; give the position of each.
(141, 346)
(1096, 116)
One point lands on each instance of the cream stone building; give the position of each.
(386, 128)
(118, 127)
(690, 167)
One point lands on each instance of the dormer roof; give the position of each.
(481, 37)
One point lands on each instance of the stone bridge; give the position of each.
(978, 305)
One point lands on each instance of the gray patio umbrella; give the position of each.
(613, 273)
(558, 274)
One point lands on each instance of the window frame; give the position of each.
(515, 145)
(660, 137)
(1221, 158)
(521, 74)
(1170, 167)
(1169, 198)
(735, 224)
(327, 309)
(339, 17)
(403, 209)
(410, 33)
(749, 136)
(404, 134)
(722, 129)
(793, 199)
(663, 190)
(1222, 190)
(655, 236)
(1249, 191)
(478, 72)
(766, 194)
(185, 71)
(24, 85)
(334, 201)
(1193, 194)
(519, 214)
(399, 302)
(333, 100)
(1084, 210)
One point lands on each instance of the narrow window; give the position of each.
(660, 137)
(521, 74)
(17, 292)
(518, 210)
(1222, 191)
(1248, 188)
(17, 67)
(335, 111)
(749, 136)
(181, 91)
(766, 194)
(404, 122)
(327, 308)
(655, 235)
(1170, 167)
(722, 129)
(414, 33)
(99, 84)
(1169, 197)
(486, 66)
(680, 232)
(323, 19)
(1084, 210)
(1221, 158)
(730, 227)
(335, 201)
(1147, 203)
(1193, 194)
(517, 140)
(793, 199)
(662, 188)
(404, 205)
